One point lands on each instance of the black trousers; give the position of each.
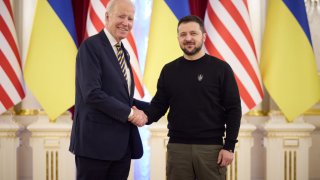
(94, 169)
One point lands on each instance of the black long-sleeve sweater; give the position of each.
(203, 99)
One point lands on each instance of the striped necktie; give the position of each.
(120, 56)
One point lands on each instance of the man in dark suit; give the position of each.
(104, 135)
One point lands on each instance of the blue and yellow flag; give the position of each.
(50, 66)
(287, 64)
(163, 45)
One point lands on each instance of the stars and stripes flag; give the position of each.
(229, 38)
(95, 23)
(11, 78)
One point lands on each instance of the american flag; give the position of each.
(95, 23)
(11, 78)
(229, 38)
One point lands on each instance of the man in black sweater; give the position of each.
(204, 103)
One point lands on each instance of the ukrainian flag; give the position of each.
(50, 66)
(163, 45)
(288, 64)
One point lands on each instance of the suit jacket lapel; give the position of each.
(114, 60)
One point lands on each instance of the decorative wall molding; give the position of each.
(8, 147)
(287, 147)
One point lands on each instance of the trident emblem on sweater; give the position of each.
(200, 77)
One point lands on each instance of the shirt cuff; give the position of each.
(131, 113)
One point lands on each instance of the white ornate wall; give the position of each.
(8, 147)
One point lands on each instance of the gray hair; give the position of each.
(112, 3)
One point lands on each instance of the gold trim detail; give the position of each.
(52, 120)
(57, 165)
(295, 165)
(35, 112)
(47, 165)
(312, 112)
(51, 162)
(231, 171)
(27, 112)
(236, 166)
(285, 165)
(256, 112)
(290, 165)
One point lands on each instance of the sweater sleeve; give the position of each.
(159, 104)
(232, 104)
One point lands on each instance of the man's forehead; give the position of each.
(189, 26)
(124, 5)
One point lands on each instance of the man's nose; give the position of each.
(188, 37)
(126, 22)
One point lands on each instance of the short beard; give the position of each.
(193, 52)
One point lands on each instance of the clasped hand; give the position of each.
(139, 118)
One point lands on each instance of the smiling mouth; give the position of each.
(189, 45)
(122, 29)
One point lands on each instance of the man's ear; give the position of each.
(106, 16)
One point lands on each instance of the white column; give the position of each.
(314, 156)
(287, 147)
(158, 149)
(8, 147)
(50, 143)
(240, 169)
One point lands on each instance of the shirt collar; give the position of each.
(112, 40)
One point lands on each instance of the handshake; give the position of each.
(138, 118)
